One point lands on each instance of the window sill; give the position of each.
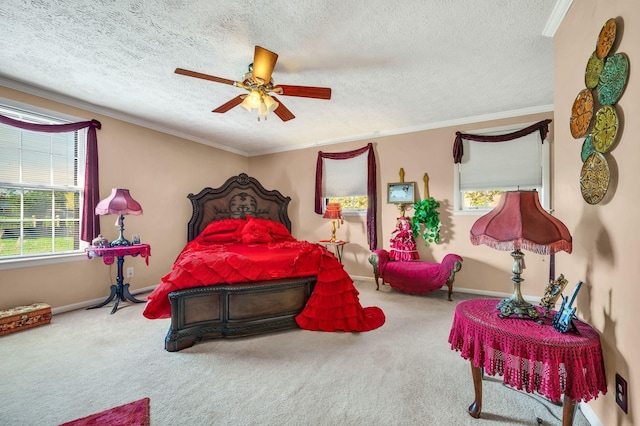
(42, 261)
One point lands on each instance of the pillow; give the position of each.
(222, 231)
(264, 231)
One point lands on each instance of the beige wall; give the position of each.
(159, 170)
(430, 152)
(606, 243)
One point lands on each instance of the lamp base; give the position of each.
(521, 308)
(121, 241)
(516, 305)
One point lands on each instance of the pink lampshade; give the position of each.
(333, 211)
(520, 222)
(119, 202)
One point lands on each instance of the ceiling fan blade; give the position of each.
(306, 91)
(232, 103)
(204, 76)
(263, 63)
(282, 111)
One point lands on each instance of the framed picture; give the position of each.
(401, 192)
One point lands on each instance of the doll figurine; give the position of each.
(403, 246)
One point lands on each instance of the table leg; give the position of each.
(119, 291)
(128, 296)
(568, 410)
(476, 408)
(114, 293)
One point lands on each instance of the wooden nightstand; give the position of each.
(338, 246)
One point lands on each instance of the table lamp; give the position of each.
(333, 212)
(120, 203)
(519, 222)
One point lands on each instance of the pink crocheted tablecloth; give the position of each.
(108, 254)
(530, 356)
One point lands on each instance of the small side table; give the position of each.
(119, 291)
(530, 356)
(338, 247)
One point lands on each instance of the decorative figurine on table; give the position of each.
(563, 320)
(403, 246)
(100, 242)
(552, 293)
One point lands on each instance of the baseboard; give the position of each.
(492, 294)
(589, 414)
(88, 303)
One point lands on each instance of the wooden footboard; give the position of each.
(238, 310)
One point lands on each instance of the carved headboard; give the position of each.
(239, 196)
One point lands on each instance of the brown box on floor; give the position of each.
(23, 317)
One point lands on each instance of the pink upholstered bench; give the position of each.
(415, 277)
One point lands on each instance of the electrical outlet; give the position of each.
(130, 272)
(622, 397)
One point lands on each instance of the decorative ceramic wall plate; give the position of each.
(581, 114)
(587, 149)
(594, 178)
(613, 79)
(606, 38)
(593, 70)
(605, 128)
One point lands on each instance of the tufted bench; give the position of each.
(415, 277)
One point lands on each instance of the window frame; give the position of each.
(40, 259)
(544, 191)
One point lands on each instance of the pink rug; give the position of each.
(135, 413)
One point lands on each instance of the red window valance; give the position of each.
(541, 126)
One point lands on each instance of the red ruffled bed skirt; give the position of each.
(334, 304)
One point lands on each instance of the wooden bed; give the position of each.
(241, 309)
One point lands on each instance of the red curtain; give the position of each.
(90, 226)
(371, 187)
(541, 126)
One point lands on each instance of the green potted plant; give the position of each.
(426, 220)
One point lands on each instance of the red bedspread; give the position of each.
(333, 306)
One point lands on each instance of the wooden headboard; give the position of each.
(239, 196)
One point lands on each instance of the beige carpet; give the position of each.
(401, 374)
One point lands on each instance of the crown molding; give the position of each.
(413, 129)
(77, 103)
(555, 19)
(70, 101)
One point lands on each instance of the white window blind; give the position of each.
(502, 165)
(345, 178)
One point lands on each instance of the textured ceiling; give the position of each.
(393, 67)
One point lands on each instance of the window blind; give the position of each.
(345, 178)
(501, 165)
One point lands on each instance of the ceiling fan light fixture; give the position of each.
(270, 103)
(252, 101)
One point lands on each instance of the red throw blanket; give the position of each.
(333, 306)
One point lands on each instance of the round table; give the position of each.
(530, 356)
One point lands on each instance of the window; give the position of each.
(41, 188)
(489, 168)
(345, 182)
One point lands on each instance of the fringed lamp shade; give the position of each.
(519, 222)
(121, 203)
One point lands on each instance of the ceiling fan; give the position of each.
(257, 81)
